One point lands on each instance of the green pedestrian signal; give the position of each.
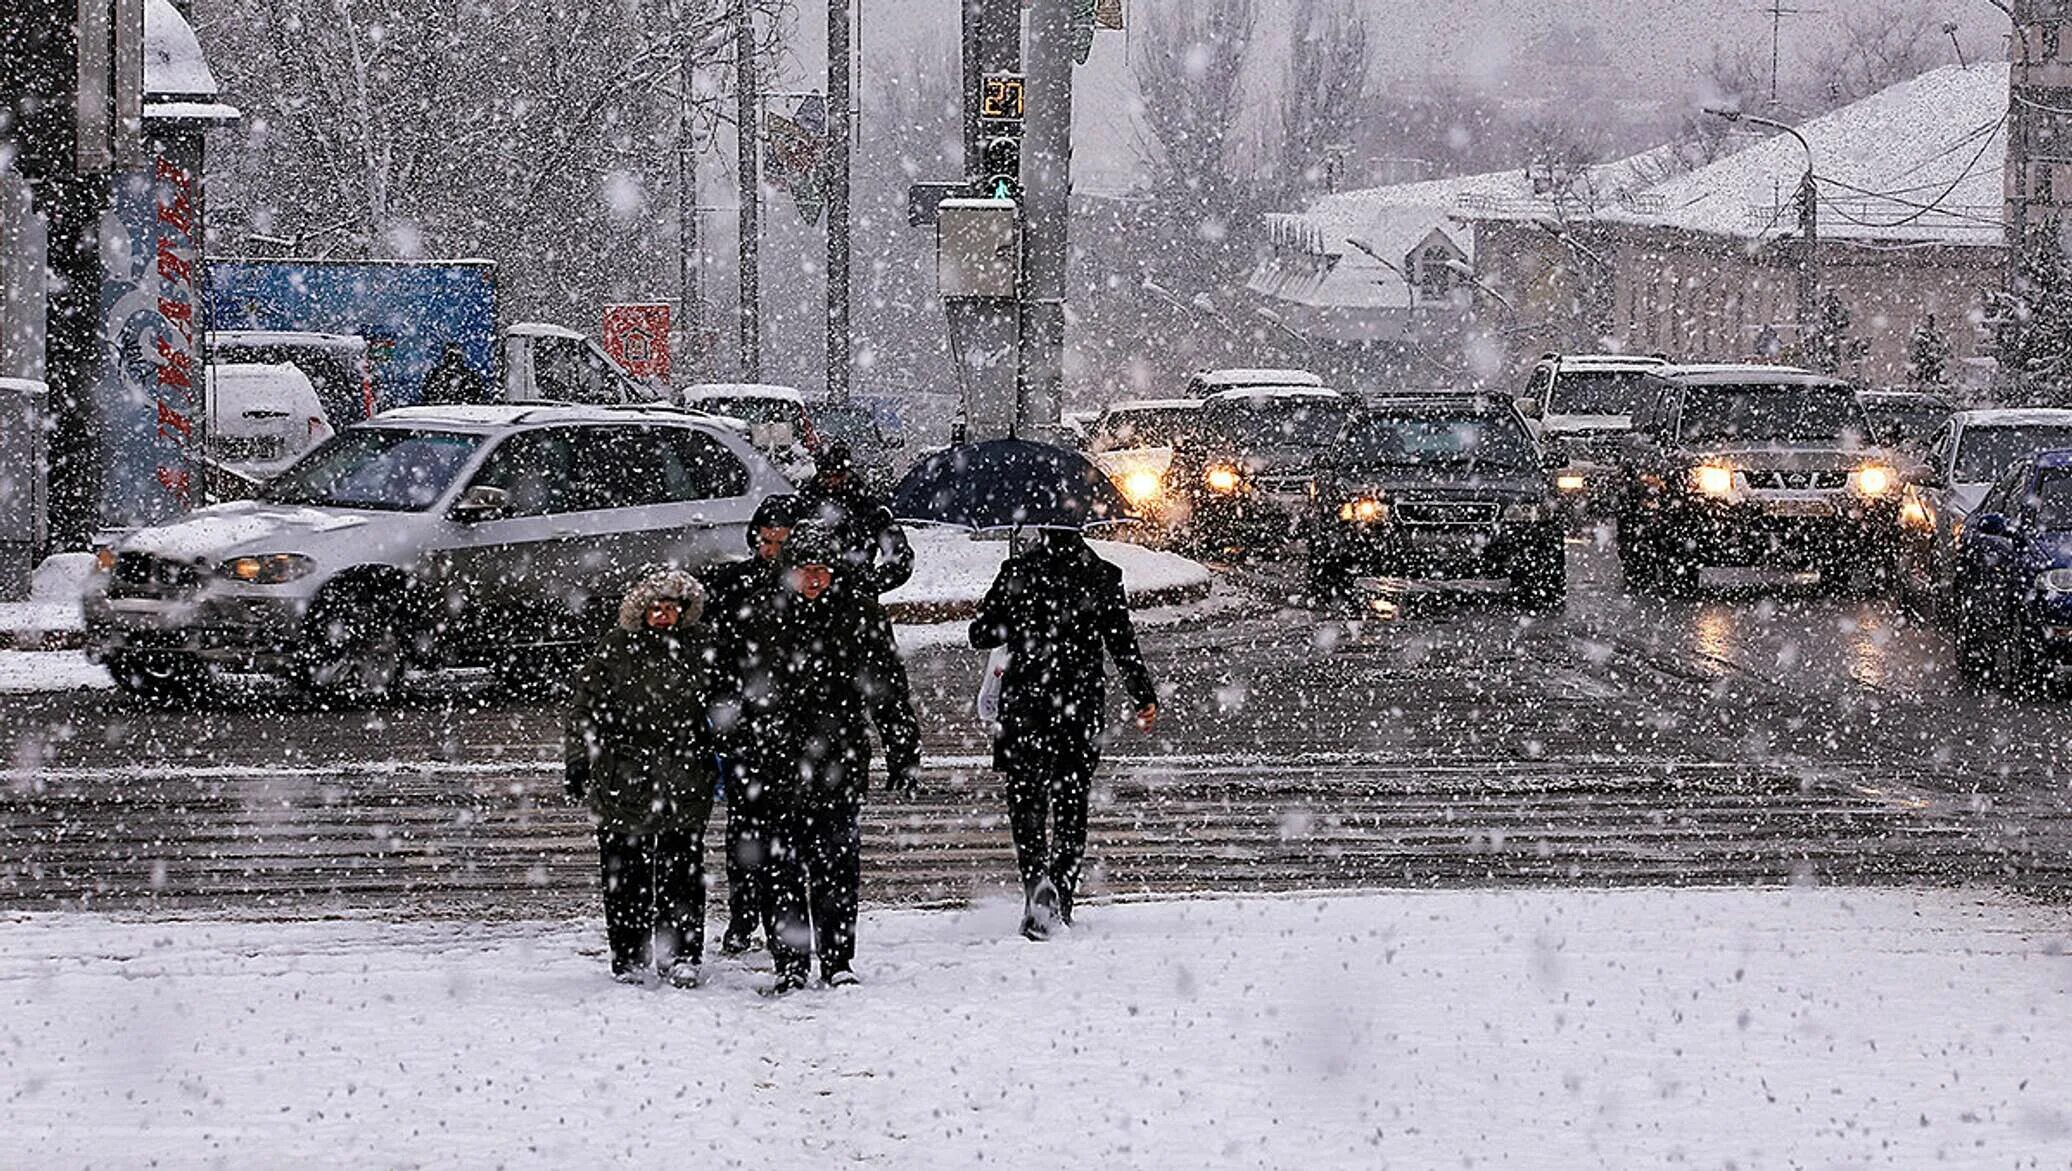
(1000, 167)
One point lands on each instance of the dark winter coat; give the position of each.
(1056, 607)
(875, 551)
(637, 742)
(812, 677)
(452, 381)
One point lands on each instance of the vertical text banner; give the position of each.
(150, 393)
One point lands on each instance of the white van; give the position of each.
(262, 416)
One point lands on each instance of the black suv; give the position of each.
(1446, 485)
(1240, 478)
(1757, 466)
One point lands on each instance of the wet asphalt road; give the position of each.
(1765, 732)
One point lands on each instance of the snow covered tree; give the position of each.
(1928, 354)
(2031, 321)
(1831, 349)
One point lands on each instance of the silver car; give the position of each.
(499, 536)
(1965, 457)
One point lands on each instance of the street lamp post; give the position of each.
(1809, 225)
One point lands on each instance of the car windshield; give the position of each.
(1899, 422)
(852, 425)
(1597, 392)
(390, 469)
(1754, 413)
(1141, 427)
(1265, 421)
(1985, 452)
(2054, 499)
(1438, 439)
(753, 411)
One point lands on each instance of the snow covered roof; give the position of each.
(1921, 161)
(707, 391)
(1224, 379)
(177, 83)
(288, 337)
(542, 329)
(2014, 417)
(1262, 393)
(1149, 404)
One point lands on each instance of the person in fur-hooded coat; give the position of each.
(639, 749)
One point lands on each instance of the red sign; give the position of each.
(637, 338)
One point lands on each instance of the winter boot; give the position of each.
(682, 974)
(839, 977)
(736, 943)
(789, 980)
(1040, 913)
(629, 974)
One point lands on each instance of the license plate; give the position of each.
(1799, 508)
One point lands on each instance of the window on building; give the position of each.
(1434, 274)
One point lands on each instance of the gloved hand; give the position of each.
(903, 774)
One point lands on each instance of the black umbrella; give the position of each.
(1009, 483)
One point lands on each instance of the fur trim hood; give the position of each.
(663, 583)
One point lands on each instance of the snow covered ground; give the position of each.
(1543, 1029)
(50, 671)
(53, 605)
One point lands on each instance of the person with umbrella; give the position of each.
(816, 670)
(1058, 608)
(874, 548)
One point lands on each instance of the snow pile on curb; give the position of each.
(52, 614)
(22, 671)
(954, 568)
(1551, 1028)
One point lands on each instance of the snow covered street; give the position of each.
(1554, 1028)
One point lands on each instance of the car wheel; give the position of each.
(1328, 578)
(354, 648)
(1636, 565)
(166, 677)
(1974, 658)
(1540, 578)
(2017, 668)
(1676, 570)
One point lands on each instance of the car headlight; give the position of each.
(2055, 581)
(1713, 480)
(1571, 482)
(1364, 510)
(267, 568)
(1223, 478)
(1914, 515)
(1142, 486)
(1524, 510)
(104, 559)
(1873, 480)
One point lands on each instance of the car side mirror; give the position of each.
(1529, 407)
(480, 503)
(1990, 524)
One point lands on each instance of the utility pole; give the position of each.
(747, 131)
(1046, 213)
(1776, 12)
(1808, 199)
(689, 242)
(838, 103)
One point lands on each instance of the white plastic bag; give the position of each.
(989, 687)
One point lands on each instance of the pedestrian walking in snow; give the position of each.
(639, 748)
(1056, 607)
(876, 555)
(732, 592)
(816, 670)
(452, 381)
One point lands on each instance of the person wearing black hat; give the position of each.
(874, 547)
(732, 591)
(1057, 607)
(816, 670)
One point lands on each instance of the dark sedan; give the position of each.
(2013, 592)
(1438, 486)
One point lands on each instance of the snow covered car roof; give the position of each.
(288, 337)
(1242, 393)
(1151, 404)
(1226, 379)
(705, 391)
(487, 415)
(1728, 374)
(542, 329)
(2014, 417)
(1606, 361)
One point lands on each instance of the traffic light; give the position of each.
(1000, 167)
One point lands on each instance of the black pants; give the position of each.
(1049, 777)
(812, 870)
(744, 855)
(654, 895)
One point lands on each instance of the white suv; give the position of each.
(498, 536)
